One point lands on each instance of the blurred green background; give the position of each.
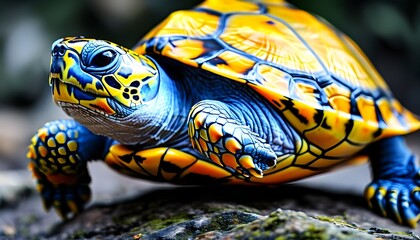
(387, 30)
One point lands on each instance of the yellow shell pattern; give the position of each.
(317, 77)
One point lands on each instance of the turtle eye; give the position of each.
(103, 58)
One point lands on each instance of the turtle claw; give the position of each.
(254, 161)
(60, 211)
(397, 199)
(374, 196)
(247, 173)
(250, 166)
(256, 172)
(416, 196)
(66, 200)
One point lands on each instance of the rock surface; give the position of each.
(124, 208)
(287, 212)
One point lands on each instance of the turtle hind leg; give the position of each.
(59, 152)
(216, 133)
(395, 189)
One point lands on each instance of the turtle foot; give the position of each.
(68, 197)
(396, 198)
(216, 133)
(256, 159)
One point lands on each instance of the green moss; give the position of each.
(280, 238)
(218, 207)
(259, 229)
(315, 232)
(337, 220)
(78, 234)
(226, 220)
(409, 234)
(283, 225)
(274, 221)
(156, 224)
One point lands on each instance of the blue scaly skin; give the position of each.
(394, 191)
(155, 118)
(148, 110)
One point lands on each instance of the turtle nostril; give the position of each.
(58, 50)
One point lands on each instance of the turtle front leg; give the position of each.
(218, 134)
(395, 189)
(59, 152)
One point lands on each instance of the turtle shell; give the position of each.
(317, 77)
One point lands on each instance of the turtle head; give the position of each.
(91, 77)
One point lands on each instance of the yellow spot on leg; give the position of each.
(51, 142)
(197, 145)
(246, 162)
(31, 153)
(203, 135)
(199, 119)
(34, 139)
(42, 133)
(62, 127)
(43, 162)
(73, 159)
(62, 160)
(216, 149)
(232, 145)
(62, 151)
(72, 145)
(69, 169)
(215, 158)
(53, 129)
(382, 191)
(43, 151)
(60, 137)
(215, 132)
(203, 145)
(229, 160)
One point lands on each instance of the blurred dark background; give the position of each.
(387, 30)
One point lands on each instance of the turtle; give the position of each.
(228, 92)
